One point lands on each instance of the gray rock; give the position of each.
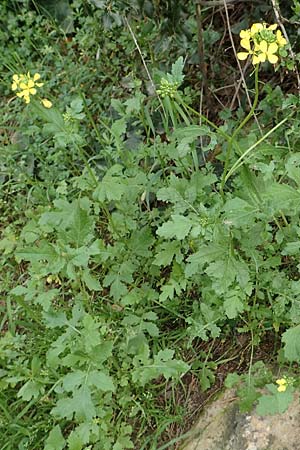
(223, 427)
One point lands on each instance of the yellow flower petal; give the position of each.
(36, 76)
(272, 27)
(30, 84)
(281, 41)
(256, 60)
(245, 34)
(23, 85)
(281, 381)
(245, 43)
(242, 55)
(273, 47)
(263, 46)
(281, 388)
(262, 57)
(15, 78)
(14, 86)
(27, 99)
(32, 91)
(273, 59)
(256, 27)
(46, 103)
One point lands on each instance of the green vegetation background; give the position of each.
(133, 278)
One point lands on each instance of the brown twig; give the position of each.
(219, 2)
(279, 19)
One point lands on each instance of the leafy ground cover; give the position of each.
(150, 218)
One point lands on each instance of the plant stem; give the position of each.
(237, 130)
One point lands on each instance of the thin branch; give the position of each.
(238, 62)
(140, 52)
(279, 19)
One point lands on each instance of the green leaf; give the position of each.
(232, 380)
(109, 189)
(179, 227)
(177, 70)
(223, 274)
(166, 253)
(95, 378)
(163, 364)
(44, 251)
(55, 440)
(282, 197)
(291, 338)
(80, 228)
(205, 254)
(80, 404)
(238, 212)
(91, 282)
(118, 128)
(30, 390)
(233, 306)
(277, 403)
(79, 437)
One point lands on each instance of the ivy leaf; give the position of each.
(291, 338)
(179, 227)
(55, 440)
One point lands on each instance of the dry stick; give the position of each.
(203, 68)
(219, 2)
(201, 47)
(238, 63)
(140, 52)
(279, 20)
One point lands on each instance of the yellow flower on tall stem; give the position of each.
(268, 52)
(26, 85)
(262, 42)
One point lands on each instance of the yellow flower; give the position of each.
(272, 27)
(26, 85)
(256, 28)
(262, 42)
(245, 43)
(46, 103)
(245, 34)
(281, 41)
(282, 384)
(267, 51)
(36, 76)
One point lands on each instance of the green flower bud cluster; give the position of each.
(167, 88)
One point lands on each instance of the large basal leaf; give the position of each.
(291, 339)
